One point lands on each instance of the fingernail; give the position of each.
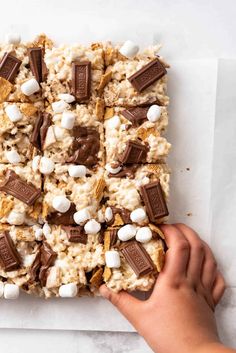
(104, 291)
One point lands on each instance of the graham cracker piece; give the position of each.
(95, 46)
(107, 240)
(23, 235)
(6, 206)
(99, 108)
(5, 89)
(107, 274)
(109, 55)
(109, 113)
(5, 123)
(160, 254)
(157, 230)
(41, 41)
(100, 186)
(143, 133)
(45, 208)
(105, 79)
(97, 278)
(35, 210)
(118, 221)
(28, 109)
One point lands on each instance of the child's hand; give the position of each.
(178, 317)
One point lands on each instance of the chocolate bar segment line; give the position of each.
(153, 198)
(37, 64)
(9, 67)
(135, 152)
(136, 115)
(138, 258)
(76, 234)
(81, 80)
(20, 189)
(9, 257)
(146, 76)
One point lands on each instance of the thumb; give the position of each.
(129, 306)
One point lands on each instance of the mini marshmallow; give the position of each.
(46, 166)
(143, 235)
(50, 138)
(113, 170)
(38, 234)
(92, 227)
(30, 87)
(61, 203)
(114, 122)
(35, 163)
(11, 291)
(16, 218)
(13, 38)
(81, 216)
(46, 230)
(129, 49)
(108, 214)
(100, 215)
(59, 133)
(68, 120)
(112, 259)
(13, 113)
(69, 290)
(138, 215)
(1, 289)
(13, 157)
(77, 171)
(66, 97)
(154, 113)
(127, 232)
(59, 106)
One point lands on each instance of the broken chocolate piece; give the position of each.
(146, 76)
(135, 152)
(76, 234)
(9, 257)
(113, 237)
(124, 214)
(35, 136)
(20, 189)
(138, 258)
(47, 121)
(136, 115)
(33, 273)
(48, 256)
(63, 218)
(154, 201)
(81, 80)
(126, 171)
(37, 64)
(9, 67)
(85, 146)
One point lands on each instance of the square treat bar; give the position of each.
(17, 121)
(75, 135)
(76, 70)
(84, 193)
(131, 87)
(22, 63)
(20, 194)
(125, 125)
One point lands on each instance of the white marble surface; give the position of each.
(189, 29)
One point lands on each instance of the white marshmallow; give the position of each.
(35, 163)
(69, 290)
(38, 234)
(16, 218)
(112, 259)
(13, 38)
(13, 157)
(138, 215)
(100, 215)
(81, 216)
(46, 166)
(50, 138)
(77, 171)
(1, 289)
(46, 230)
(127, 232)
(113, 170)
(11, 291)
(59, 106)
(154, 113)
(53, 277)
(68, 120)
(114, 122)
(144, 234)
(59, 133)
(66, 97)
(129, 49)
(30, 87)
(92, 227)
(61, 203)
(108, 214)
(13, 113)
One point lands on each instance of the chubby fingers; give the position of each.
(218, 289)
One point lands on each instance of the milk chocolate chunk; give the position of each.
(9, 67)
(33, 273)
(85, 147)
(9, 256)
(126, 171)
(136, 115)
(35, 136)
(20, 189)
(48, 256)
(113, 237)
(124, 214)
(63, 218)
(154, 200)
(47, 121)
(146, 76)
(76, 234)
(138, 258)
(37, 64)
(81, 80)
(135, 152)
